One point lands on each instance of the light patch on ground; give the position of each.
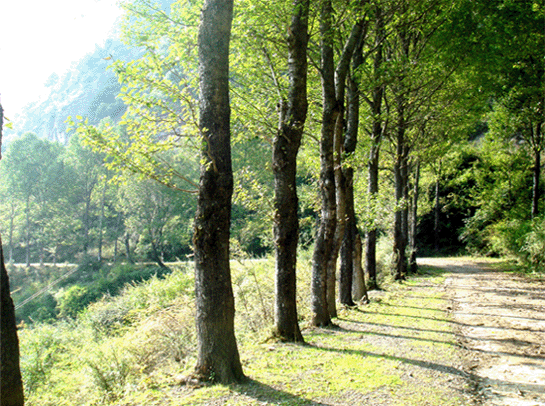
(501, 320)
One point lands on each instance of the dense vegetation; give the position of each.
(429, 113)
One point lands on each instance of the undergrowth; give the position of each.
(129, 349)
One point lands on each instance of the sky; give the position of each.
(41, 37)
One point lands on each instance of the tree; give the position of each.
(350, 255)
(11, 209)
(326, 231)
(159, 88)
(357, 35)
(286, 144)
(376, 134)
(420, 65)
(87, 165)
(218, 358)
(333, 191)
(11, 384)
(151, 211)
(36, 173)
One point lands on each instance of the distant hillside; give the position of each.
(87, 89)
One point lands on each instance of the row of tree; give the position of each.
(390, 88)
(413, 64)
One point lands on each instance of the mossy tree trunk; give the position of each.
(326, 230)
(218, 358)
(350, 141)
(284, 162)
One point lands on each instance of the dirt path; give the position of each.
(501, 320)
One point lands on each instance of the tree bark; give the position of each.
(350, 141)
(27, 214)
(11, 384)
(535, 186)
(359, 290)
(11, 226)
(157, 254)
(101, 221)
(437, 211)
(377, 131)
(413, 267)
(332, 139)
(86, 226)
(285, 148)
(117, 227)
(406, 202)
(372, 189)
(536, 195)
(400, 241)
(341, 74)
(347, 254)
(218, 358)
(127, 239)
(326, 231)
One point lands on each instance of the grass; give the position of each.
(128, 349)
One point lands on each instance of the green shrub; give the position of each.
(72, 301)
(507, 237)
(40, 350)
(110, 368)
(111, 313)
(533, 250)
(41, 309)
(166, 339)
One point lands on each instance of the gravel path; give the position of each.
(501, 322)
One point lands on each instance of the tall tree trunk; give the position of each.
(333, 89)
(536, 175)
(117, 227)
(400, 242)
(405, 211)
(341, 73)
(101, 220)
(535, 186)
(27, 212)
(86, 224)
(218, 358)
(413, 267)
(340, 210)
(326, 231)
(377, 131)
(285, 148)
(347, 249)
(157, 257)
(127, 239)
(41, 247)
(11, 384)
(350, 142)
(372, 190)
(359, 290)
(437, 211)
(11, 225)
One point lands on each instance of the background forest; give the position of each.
(463, 84)
(439, 142)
